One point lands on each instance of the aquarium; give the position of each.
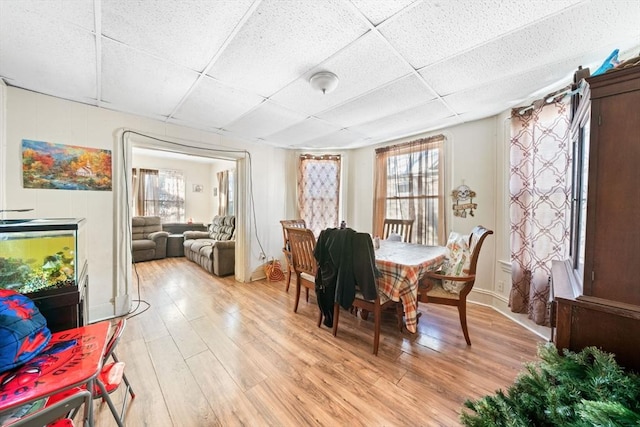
(38, 255)
(46, 259)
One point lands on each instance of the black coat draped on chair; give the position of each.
(346, 262)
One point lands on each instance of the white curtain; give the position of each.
(540, 187)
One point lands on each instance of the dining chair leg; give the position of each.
(336, 315)
(295, 307)
(462, 311)
(288, 277)
(307, 289)
(377, 313)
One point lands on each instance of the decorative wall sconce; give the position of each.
(463, 197)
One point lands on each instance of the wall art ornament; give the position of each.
(65, 167)
(463, 198)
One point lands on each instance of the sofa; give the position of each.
(148, 241)
(175, 247)
(215, 249)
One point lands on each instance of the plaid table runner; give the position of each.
(402, 265)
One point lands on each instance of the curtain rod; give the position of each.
(550, 98)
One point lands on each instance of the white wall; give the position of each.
(34, 116)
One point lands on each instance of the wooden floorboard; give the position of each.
(210, 351)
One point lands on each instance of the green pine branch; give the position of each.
(587, 388)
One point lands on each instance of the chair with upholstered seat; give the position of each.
(401, 227)
(302, 243)
(451, 285)
(286, 248)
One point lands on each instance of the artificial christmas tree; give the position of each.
(575, 389)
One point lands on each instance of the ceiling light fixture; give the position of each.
(324, 81)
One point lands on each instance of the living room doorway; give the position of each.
(197, 151)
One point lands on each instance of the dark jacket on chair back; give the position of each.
(346, 263)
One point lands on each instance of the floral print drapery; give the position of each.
(540, 190)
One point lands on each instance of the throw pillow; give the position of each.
(23, 330)
(458, 260)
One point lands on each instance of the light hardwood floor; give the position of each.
(214, 352)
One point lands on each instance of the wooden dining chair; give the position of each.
(302, 243)
(286, 248)
(402, 227)
(366, 306)
(431, 289)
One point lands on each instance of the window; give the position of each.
(159, 193)
(580, 174)
(318, 191)
(410, 185)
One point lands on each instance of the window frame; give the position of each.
(433, 149)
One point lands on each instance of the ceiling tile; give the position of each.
(188, 33)
(432, 31)
(212, 104)
(526, 49)
(284, 39)
(61, 63)
(414, 120)
(361, 67)
(377, 11)
(398, 96)
(482, 56)
(344, 138)
(80, 13)
(303, 131)
(135, 82)
(266, 119)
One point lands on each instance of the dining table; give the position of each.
(402, 266)
(72, 358)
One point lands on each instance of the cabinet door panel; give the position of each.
(613, 212)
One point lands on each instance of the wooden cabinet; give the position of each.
(602, 308)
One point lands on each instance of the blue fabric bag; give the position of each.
(23, 330)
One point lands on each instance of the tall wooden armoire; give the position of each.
(598, 304)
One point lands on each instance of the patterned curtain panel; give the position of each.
(147, 203)
(318, 191)
(223, 196)
(409, 184)
(540, 187)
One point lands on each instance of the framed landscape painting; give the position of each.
(65, 167)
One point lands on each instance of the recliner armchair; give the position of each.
(148, 241)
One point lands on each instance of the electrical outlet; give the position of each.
(500, 286)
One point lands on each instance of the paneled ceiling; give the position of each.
(241, 67)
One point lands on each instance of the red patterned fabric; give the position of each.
(540, 204)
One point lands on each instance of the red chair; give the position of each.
(55, 414)
(112, 375)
